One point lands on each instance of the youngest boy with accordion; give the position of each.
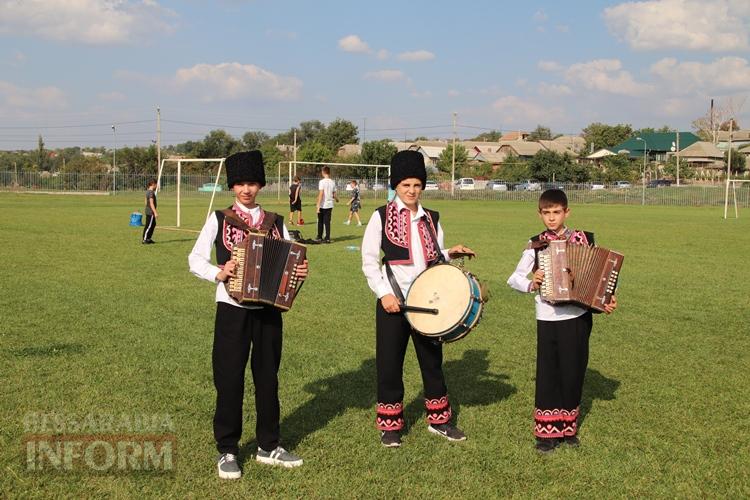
(563, 330)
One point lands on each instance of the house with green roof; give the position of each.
(657, 145)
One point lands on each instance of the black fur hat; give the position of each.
(406, 164)
(246, 166)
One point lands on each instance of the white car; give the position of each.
(465, 183)
(622, 184)
(597, 185)
(431, 186)
(378, 186)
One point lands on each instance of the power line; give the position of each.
(108, 124)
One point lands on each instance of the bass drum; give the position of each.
(456, 295)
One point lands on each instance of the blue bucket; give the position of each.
(136, 219)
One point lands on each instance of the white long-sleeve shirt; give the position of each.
(545, 311)
(375, 273)
(200, 261)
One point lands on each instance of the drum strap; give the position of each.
(441, 257)
(394, 283)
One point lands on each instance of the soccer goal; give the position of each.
(179, 162)
(733, 183)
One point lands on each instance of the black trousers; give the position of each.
(324, 221)
(392, 333)
(148, 230)
(237, 332)
(562, 355)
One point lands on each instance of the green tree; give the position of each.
(617, 168)
(601, 135)
(739, 161)
(540, 133)
(491, 136)
(445, 160)
(271, 156)
(513, 169)
(217, 144)
(687, 171)
(87, 164)
(546, 165)
(314, 151)
(254, 139)
(338, 133)
(41, 154)
(378, 152)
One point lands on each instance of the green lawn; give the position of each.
(93, 322)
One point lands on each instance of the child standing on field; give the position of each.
(563, 331)
(295, 201)
(151, 213)
(354, 205)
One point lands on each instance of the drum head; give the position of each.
(443, 287)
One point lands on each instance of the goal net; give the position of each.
(178, 186)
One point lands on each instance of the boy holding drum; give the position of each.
(562, 332)
(411, 239)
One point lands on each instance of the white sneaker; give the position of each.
(346, 222)
(359, 223)
(279, 456)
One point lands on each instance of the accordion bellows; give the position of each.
(580, 274)
(265, 272)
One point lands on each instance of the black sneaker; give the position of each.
(546, 445)
(390, 439)
(448, 431)
(228, 467)
(326, 241)
(572, 441)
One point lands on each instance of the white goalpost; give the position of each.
(733, 183)
(179, 162)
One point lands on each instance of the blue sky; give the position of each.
(69, 69)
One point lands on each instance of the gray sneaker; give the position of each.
(279, 456)
(448, 431)
(228, 467)
(390, 439)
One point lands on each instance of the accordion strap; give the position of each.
(268, 221)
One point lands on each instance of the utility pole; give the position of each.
(677, 155)
(729, 167)
(294, 153)
(158, 139)
(114, 160)
(364, 130)
(453, 159)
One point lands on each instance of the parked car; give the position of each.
(465, 183)
(528, 186)
(378, 186)
(553, 185)
(431, 186)
(597, 185)
(622, 184)
(496, 186)
(209, 187)
(657, 183)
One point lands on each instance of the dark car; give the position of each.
(657, 183)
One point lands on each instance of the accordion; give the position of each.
(577, 273)
(265, 272)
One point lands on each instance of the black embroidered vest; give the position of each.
(228, 235)
(396, 235)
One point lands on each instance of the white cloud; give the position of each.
(232, 81)
(386, 75)
(719, 25)
(540, 16)
(111, 96)
(723, 74)
(22, 100)
(382, 54)
(417, 55)
(453, 93)
(353, 43)
(563, 28)
(550, 66)
(524, 112)
(550, 89)
(86, 21)
(606, 75)
(421, 95)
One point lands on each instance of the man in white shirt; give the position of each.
(324, 205)
(411, 239)
(239, 326)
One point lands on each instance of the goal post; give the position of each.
(733, 183)
(179, 162)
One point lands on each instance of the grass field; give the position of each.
(93, 322)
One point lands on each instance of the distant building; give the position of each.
(657, 145)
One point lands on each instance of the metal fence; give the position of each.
(202, 185)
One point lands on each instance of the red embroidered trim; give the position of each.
(556, 414)
(387, 424)
(436, 404)
(555, 423)
(397, 225)
(440, 418)
(389, 409)
(428, 244)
